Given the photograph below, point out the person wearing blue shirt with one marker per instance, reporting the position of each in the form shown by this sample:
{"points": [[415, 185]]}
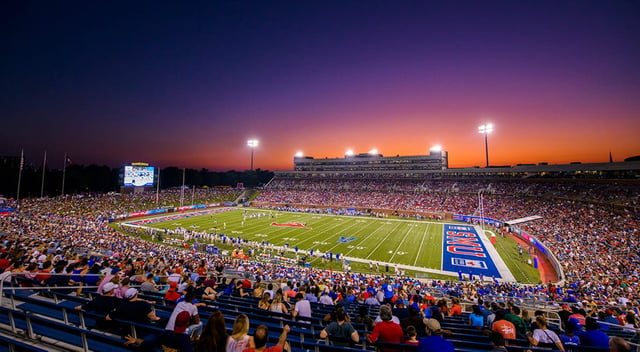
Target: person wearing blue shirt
{"points": [[434, 342], [387, 288], [592, 336]]}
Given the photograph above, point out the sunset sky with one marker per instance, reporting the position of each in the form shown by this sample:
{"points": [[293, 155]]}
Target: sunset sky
{"points": [[188, 83]]}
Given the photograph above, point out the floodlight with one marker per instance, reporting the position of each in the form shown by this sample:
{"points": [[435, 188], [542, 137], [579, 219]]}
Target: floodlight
{"points": [[486, 129], [252, 143], [373, 151], [436, 148], [349, 152], [299, 155]]}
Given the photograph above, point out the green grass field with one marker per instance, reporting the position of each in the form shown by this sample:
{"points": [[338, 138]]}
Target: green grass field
{"points": [[405, 242]]}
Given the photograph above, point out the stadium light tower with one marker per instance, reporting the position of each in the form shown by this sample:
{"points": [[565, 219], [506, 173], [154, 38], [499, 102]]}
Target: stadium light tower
{"points": [[252, 143], [349, 152], [486, 129]]}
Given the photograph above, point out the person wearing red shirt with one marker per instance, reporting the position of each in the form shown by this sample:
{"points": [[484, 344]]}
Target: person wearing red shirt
{"points": [[45, 272], [456, 309], [386, 330], [172, 293], [261, 336], [503, 326]]}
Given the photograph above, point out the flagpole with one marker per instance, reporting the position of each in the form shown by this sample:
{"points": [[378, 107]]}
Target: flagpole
{"points": [[64, 171], [20, 174], [44, 166], [184, 171], [158, 188]]}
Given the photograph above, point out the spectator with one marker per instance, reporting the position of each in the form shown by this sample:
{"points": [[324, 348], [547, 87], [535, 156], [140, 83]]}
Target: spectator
{"points": [[434, 342], [264, 302], [302, 309], [364, 318], [498, 342], [277, 305], [340, 332], [514, 317], [102, 305], [503, 326], [414, 319], [261, 337], [214, 335], [386, 330], [456, 309], [568, 338], [412, 335], [543, 337], [134, 309], [175, 339], [239, 339], [186, 305], [592, 336], [618, 344], [149, 284]]}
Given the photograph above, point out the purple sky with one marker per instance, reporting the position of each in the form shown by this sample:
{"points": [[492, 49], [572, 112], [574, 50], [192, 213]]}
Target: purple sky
{"points": [[187, 84]]}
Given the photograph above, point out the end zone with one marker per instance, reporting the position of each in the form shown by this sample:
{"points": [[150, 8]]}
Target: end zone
{"points": [[467, 250]]}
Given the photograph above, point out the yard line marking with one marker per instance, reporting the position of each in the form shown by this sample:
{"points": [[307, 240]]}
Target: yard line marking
{"points": [[426, 231], [383, 241]]}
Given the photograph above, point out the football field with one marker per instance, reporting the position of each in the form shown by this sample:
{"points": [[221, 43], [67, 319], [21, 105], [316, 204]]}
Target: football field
{"points": [[415, 245]]}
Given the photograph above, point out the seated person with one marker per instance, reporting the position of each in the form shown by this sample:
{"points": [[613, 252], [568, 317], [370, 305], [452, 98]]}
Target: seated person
{"points": [[340, 332]]}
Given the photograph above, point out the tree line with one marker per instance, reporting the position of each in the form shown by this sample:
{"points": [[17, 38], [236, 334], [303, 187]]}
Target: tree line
{"points": [[95, 178]]}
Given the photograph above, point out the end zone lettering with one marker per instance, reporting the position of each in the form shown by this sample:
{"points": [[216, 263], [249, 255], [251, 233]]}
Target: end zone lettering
{"points": [[469, 263], [465, 243], [460, 228], [463, 248]]}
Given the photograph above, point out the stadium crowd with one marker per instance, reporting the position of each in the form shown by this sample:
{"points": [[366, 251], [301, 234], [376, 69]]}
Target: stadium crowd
{"points": [[594, 234]]}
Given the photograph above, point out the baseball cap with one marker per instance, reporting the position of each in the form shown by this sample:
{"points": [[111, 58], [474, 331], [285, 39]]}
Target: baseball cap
{"points": [[130, 293], [108, 287], [182, 322], [432, 324]]}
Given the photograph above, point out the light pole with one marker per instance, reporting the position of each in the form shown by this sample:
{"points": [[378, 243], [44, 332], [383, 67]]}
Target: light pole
{"points": [[486, 129], [252, 143]]}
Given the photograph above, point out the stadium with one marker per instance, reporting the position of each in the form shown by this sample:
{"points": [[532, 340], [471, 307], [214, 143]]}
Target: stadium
{"points": [[353, 234]]}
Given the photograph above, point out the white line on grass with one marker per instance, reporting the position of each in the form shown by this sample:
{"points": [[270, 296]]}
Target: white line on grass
{"points": [[383, 241], [407, 234], [426, 231]]}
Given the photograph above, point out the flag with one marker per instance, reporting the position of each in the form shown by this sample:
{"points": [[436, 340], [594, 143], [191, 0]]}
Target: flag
{"points": [[68, 161]]}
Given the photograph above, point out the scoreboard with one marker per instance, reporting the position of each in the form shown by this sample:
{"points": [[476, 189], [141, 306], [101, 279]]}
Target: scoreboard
{"points": [[138, 176]]}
